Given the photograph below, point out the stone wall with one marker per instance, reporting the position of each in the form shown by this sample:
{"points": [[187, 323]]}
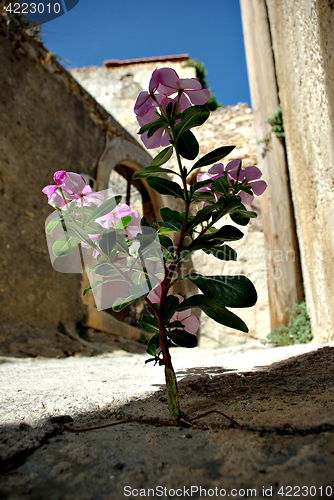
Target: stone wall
{"points": [[116, 88], [234, 125], [48, 122], [303, 43]]}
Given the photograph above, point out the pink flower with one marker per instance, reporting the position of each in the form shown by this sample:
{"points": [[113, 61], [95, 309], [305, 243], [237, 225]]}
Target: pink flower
{"points": [[73, 187], [248, 177], [159, 138], [111, 220], [144, 102], [59, 178], [77, 189], [190, 323], [216, 171], [166, 81]]}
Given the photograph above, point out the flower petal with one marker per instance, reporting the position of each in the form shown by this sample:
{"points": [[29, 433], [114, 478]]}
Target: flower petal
{"points": [[154, 82], [258, 187], [143, 103], [74, 182], [252, 173], [59, 176], [189, 84], [191, 324], [184, 103], [168, 78], [198, 96], [246, 198], [49, 190], [234, 164], [217, 168]]}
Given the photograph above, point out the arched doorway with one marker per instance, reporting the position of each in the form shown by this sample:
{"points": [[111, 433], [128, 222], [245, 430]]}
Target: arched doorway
{"points": [[121, 159], [135, 195]]}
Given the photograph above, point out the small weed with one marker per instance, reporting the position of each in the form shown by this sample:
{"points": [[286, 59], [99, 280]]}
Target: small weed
{"points": [[276, 121], [298, 330]]}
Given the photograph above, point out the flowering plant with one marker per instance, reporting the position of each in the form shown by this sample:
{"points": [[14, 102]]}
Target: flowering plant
{"points": [[143, 256]]}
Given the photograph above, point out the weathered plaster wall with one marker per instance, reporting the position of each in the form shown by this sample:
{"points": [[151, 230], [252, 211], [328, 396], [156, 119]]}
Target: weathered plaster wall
{"points": [[285, 284], [48, 122], [234, 125], [303, 34], [117, 89]]}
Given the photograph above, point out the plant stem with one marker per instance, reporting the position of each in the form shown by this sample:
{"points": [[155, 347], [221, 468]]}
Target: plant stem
{"points": [[170, 377], [171, 382]]}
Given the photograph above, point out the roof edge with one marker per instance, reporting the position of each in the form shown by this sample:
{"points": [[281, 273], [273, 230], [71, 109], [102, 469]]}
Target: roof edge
{"points": [[112, 63]]}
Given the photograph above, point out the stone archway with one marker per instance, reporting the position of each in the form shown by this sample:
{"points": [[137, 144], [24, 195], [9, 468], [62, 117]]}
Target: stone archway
{"points": [[122, 158]]}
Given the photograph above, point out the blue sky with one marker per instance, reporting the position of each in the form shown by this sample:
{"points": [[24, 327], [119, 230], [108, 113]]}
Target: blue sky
{"points": [[210, 31]]}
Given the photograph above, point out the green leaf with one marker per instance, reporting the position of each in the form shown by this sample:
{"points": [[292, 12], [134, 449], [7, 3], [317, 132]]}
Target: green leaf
{"points": [[104, 209], [143, 222], [223, 252], [193, 116], [183, 338], [52, 224], [201, 184], [65, 245], [159, 123], [166, 243], [202, 215], [215, 311], [188, 145], [169, 215], [106, 270], [202, 196], [108, 241], [76, 230], [213, 157], [225, 233], [165, 186], [123, 222], [93, 228], [141, 290], [201, 244], [93, 285], [165, 230], [241, 221], [222, 185], [121, 245], [242, 216], [149, 360], [152, 171], [123, 302], [162, 157], [171, 304], [229, 291], [227, 205], [175, 324], [149, 324], [175, 226], [147, 238], [153, 344]]}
